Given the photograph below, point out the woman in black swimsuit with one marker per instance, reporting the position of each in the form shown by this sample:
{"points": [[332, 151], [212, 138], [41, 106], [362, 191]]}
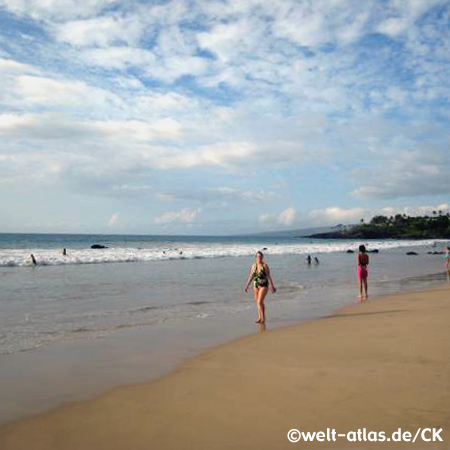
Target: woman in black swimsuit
{"points": [[260, 275]]}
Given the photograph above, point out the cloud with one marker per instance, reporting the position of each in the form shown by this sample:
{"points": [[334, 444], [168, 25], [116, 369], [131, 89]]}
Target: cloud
{"points": [[52, 126], [418, 210], [113, 219], [405, 13], [119, 57], [221, 155], [101, 31], [409, 173], [48, 92], [186, 215], [287, 218], [56, 9], [9, 67], [214, 197], [335, 215], [222, 99], [222, 195]]}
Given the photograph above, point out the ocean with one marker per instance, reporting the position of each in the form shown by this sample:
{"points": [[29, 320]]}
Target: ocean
{"points": [[165, 298]]}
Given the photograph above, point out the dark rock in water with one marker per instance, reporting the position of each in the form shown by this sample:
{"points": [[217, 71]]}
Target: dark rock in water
{"points": [[98, 246], [412, 254], [350, 251], [264, 248], [375, 250]]}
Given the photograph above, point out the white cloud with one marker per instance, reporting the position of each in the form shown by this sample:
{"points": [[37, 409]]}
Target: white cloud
{"points": [[11, 67], [266, 218], [52, 126], [336, 215], [47, 92], [56, 9], [113, 219], [186, 215], [287, 217], [216, 155], [119, 57], [420, 210], [405, 13], [101, 31], [231, 87], [226, 40], [406, 173]]}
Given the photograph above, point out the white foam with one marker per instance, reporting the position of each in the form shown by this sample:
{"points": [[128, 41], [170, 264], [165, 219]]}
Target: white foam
{"points": [[52, 257]]}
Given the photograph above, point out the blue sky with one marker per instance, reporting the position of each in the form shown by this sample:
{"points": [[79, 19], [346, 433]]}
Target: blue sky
{"points": [[219, 117]]}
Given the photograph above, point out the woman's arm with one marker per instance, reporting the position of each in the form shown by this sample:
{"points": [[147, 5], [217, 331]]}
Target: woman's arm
{"points": [[269, 276], [250, 277]]}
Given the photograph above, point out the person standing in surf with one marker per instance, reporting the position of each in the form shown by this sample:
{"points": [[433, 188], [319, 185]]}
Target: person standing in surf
{"points": [[362, 271], [447, 259], [262, 280]]}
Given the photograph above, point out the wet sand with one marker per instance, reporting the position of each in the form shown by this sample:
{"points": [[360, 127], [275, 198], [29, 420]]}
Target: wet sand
{"points": [[382, 365]]}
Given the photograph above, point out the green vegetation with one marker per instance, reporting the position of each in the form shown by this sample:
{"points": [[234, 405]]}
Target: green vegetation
{"points": [[396, 227]]}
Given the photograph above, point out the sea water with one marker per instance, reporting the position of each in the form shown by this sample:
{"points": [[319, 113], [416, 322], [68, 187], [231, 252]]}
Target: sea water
{"points": [[140, 281], [178, 292]]}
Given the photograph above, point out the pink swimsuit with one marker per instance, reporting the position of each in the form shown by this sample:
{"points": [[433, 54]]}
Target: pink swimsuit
{"points": [[362, 268], [362, 272]]}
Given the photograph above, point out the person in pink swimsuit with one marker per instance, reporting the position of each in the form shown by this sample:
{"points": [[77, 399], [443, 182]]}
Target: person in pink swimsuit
{"points": [[362, 270]]}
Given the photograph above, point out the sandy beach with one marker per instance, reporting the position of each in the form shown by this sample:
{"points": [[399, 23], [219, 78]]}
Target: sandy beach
{"points": [[381, 365]]}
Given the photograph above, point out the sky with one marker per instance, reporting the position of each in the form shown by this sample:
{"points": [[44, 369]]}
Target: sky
{"points": [[221, 117]]}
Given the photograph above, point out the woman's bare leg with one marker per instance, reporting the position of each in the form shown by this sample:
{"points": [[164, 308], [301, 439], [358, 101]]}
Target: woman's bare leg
{"points": [[366, 293], [256, 295], [261, 307], [360, 287]]}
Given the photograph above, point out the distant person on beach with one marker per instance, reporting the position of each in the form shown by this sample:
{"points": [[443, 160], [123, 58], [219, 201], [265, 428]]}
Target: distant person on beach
{"points": [[261, 278], [362, 270], [308, 260], [64, 252], [316, 260], [447, 259], [33, 260]]}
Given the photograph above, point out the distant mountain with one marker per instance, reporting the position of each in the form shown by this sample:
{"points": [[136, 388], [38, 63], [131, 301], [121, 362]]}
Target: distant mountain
{"points": [[302, 232]]}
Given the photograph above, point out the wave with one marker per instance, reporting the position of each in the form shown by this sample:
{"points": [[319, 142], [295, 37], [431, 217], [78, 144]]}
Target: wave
{"points": [[52, 257]]}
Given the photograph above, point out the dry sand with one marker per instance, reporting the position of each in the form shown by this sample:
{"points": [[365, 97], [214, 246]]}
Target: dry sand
{"points": [[382, 365]]}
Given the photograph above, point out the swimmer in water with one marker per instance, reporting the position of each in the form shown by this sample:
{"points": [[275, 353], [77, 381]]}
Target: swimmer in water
{"points": [[33, 260]]}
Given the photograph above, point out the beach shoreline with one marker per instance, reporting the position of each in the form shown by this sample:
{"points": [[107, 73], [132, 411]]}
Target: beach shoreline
{"points": [[192, 383], [84, 369]]}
